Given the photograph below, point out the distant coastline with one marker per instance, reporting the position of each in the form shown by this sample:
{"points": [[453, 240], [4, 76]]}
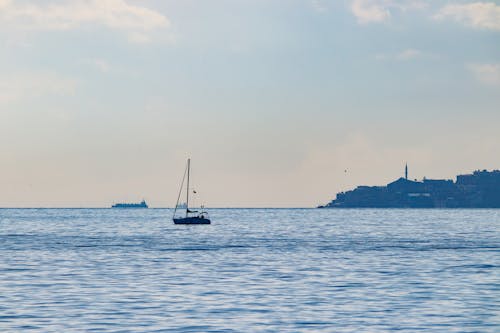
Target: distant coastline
{"points": [[481, 189]]}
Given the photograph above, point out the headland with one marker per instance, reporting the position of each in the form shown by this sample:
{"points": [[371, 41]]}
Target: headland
{"points": [[480, 189]]}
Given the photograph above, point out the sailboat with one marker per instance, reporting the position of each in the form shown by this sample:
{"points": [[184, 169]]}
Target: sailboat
{"points": [[191, 216]]}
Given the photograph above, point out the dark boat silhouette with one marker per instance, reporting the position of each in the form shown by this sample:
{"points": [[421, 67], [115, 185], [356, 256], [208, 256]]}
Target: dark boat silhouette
{"points": [[191, 216], [142, 204]]}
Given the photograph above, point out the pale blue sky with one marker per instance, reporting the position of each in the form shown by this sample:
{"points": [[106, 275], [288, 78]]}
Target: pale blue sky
{"points": [[102, 101]]}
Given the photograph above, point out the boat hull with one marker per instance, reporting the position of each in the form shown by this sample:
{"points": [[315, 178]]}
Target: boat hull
{"points": [[191, 220]]}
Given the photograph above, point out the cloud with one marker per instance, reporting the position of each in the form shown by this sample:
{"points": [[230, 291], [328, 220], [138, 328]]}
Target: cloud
{"points": [[480, 15], [405, 55], [369, 11], [376, 11], [319, 5], [486, 73], [408, 54], [66, 15], [15, 88], [100, 64]]}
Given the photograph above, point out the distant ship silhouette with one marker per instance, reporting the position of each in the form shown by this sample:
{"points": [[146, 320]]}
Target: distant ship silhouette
{"points": [[142, 204]]}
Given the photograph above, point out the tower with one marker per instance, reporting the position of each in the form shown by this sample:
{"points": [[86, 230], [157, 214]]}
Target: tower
{"points": [[406, 171]]}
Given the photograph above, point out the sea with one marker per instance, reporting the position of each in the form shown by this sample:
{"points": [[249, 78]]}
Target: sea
{"points": [[251, 270]]}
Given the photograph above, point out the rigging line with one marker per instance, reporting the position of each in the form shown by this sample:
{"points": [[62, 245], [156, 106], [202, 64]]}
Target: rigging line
{"points": [[180, 190]]}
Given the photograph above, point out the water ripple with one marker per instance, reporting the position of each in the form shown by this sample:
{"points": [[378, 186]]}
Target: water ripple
{"points": [[252, 270]]}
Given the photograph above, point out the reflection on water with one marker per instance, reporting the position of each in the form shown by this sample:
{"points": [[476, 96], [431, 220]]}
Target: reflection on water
{"points": [[253, 270]]}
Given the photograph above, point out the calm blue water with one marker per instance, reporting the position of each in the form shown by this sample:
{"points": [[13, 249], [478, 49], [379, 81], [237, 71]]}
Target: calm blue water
{"points": [[253, 270]]}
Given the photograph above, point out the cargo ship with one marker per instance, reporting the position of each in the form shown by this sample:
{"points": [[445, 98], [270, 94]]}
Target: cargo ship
{"points": [[142, 204]]}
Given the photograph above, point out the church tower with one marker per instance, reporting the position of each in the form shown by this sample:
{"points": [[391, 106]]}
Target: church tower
{"points": [[406, 171]]}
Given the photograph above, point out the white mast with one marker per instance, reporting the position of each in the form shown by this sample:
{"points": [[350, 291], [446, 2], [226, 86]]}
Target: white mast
{"points": [[187, 188]]}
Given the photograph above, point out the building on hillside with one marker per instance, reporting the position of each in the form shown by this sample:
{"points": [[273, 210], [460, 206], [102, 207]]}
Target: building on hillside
{"points": [[481, 189]]}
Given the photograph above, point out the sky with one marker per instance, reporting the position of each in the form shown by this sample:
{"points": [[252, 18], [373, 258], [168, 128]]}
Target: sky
{"points": [[279, 103]]}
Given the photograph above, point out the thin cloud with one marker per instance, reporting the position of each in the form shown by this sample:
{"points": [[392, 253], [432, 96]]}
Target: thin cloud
{"points": [[480, 15], [377, 11], [486, 73], [404, 55], [319, 5], [408, 54], [66, 15], [367, 11], [19, 87], [100, 64]]}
